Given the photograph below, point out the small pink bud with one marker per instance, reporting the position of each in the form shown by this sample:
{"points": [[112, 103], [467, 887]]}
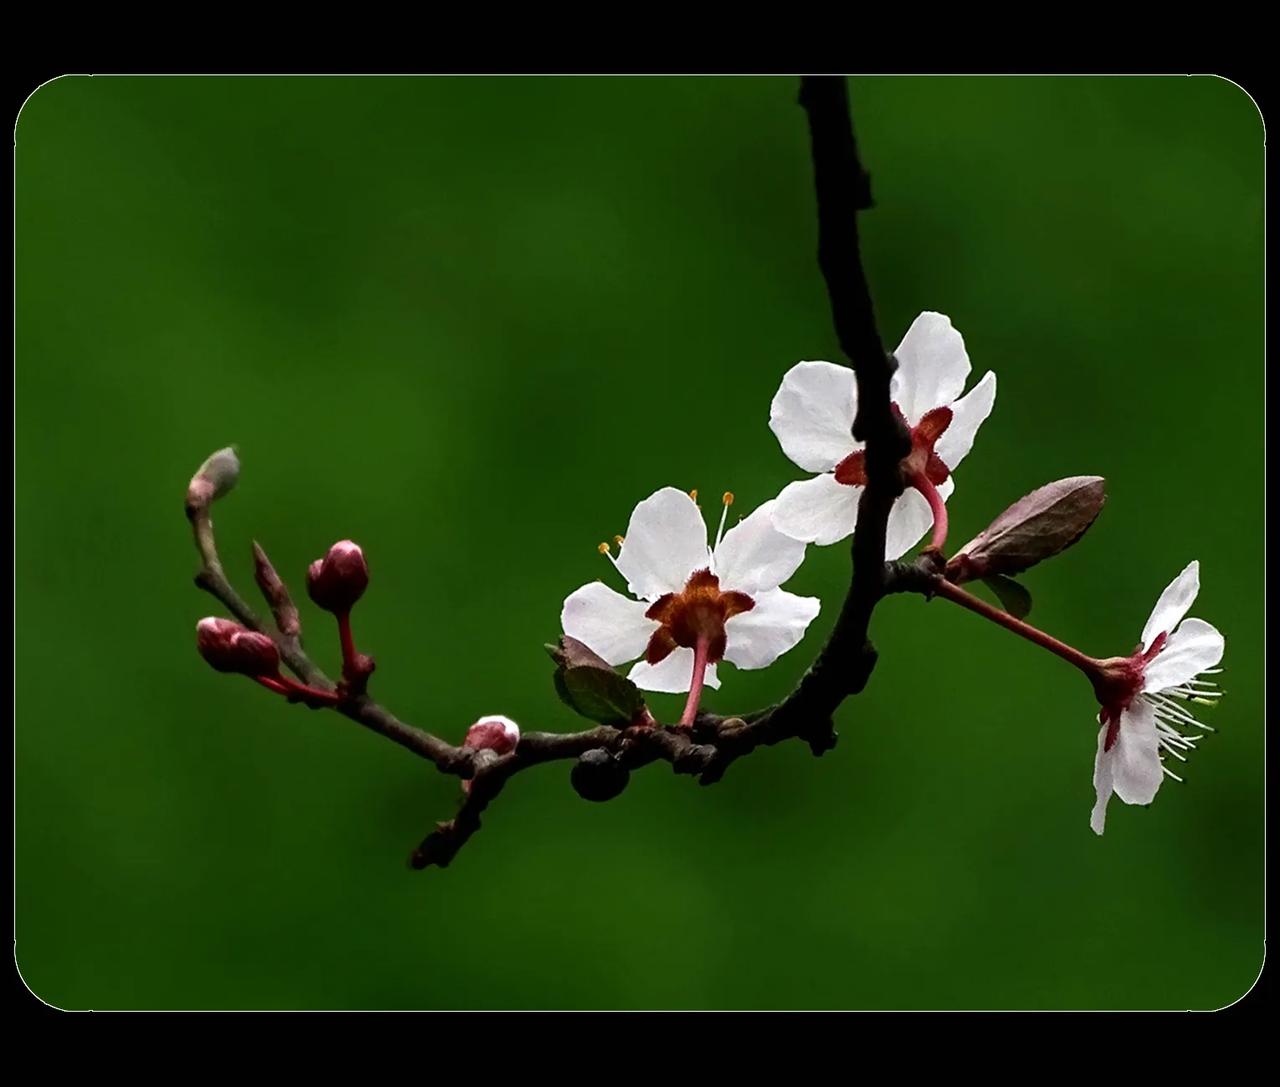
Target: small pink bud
{"points": [[229, 647], [213, 479], [338, 580], [499, 734]]}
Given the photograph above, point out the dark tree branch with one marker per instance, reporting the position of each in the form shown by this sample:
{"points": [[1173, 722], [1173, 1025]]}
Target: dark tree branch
{"points": [[843, 189], [712, 743]]}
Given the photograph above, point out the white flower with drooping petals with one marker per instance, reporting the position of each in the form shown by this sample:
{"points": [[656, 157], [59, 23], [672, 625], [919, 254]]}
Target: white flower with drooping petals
{"points": [[1144, 699], [812, 417], [723, 601]]}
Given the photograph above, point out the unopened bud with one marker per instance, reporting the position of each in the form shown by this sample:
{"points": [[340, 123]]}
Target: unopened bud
{"points": [[338, 580], [598, 776], [497, 733], [229, 647], [282, 606], [214, 478], [1036, 527]]}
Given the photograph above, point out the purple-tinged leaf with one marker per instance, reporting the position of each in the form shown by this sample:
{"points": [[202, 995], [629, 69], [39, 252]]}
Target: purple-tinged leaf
{"points": [[1036, 527]]}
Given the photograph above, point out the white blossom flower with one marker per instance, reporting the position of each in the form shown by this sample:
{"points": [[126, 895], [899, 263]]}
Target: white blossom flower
{"points": [[1144, 699], [697, 605], [812, 417]]}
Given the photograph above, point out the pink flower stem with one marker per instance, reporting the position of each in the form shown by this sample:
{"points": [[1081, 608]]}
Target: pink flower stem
{"points": [[348, 644], [925, 486], [292, 688], [272, 684], [311, 694], [700, 653], [957, 595]]}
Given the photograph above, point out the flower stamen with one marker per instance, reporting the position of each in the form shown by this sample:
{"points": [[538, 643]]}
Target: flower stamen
{"points": [[724, 513], [604, 549]]}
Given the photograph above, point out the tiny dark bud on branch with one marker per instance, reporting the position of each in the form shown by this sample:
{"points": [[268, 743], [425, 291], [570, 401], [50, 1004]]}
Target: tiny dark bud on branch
{"points": [[282, 606], [1036, 527], [229, 647], [590, 686], [213, 479], [598, 776], [338, 580]]}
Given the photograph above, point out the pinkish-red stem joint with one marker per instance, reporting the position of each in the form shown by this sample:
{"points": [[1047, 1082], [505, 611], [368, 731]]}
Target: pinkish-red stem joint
{"points": [[937, 506], [701, 652], [1087, 664], [348, 644], [292, 689]]}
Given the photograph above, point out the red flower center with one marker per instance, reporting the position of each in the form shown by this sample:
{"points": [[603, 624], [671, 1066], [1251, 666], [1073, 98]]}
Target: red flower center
{"points": [[1117, 684], [697, 613], [922, 460]]}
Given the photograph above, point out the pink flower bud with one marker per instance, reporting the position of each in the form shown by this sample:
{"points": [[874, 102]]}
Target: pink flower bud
{"points": [[213, 479], [499, 734], [338, 580], [229, 647]]}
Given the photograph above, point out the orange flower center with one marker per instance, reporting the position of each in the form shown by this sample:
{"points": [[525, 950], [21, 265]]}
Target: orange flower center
{"points": [[696, 614]]}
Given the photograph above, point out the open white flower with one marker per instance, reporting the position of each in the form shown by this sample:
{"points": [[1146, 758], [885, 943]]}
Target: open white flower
{"points": [[697, 605], [812, 417], [1144, 699]]}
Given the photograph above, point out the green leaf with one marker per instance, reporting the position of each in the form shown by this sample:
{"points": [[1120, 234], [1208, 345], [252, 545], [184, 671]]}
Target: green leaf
{"points": [[589, 686], [571, 653], [1013, 597], [604, 696]]}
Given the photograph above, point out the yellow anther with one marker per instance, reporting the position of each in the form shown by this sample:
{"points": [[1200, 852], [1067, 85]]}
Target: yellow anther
{"points": [[728, 498], [618, 540], [694, 494], [603, 549]]}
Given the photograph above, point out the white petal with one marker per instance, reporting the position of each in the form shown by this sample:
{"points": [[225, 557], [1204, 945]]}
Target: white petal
{"points": [[671, 675], [758, 637], [967, 414], [1173, 604], [932, 366], [1102, 781], [1135, 758], [817, 510], [910, 519], [812, 414], [607, 622], [666, 541], [755, 556], [1191, 649]]}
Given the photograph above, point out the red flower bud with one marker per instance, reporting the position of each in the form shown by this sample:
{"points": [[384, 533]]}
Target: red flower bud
{"points": [[338, 580], [229, 647], [499, 734]]}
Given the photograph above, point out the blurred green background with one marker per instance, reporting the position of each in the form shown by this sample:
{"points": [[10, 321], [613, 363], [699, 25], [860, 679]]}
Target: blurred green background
{"points": [[470, 323]]}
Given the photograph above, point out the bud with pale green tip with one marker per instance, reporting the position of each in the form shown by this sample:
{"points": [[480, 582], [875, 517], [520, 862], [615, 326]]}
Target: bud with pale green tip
{"points": [[213, 479]]}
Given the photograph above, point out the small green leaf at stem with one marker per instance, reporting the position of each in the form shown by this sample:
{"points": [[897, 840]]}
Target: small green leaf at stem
{"points": [[591, 687], [1013, 597]]}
